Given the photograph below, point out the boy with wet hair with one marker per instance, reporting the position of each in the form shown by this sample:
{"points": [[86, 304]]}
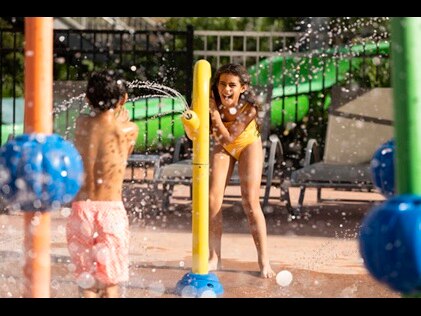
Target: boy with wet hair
{"points": [[97, 229]]}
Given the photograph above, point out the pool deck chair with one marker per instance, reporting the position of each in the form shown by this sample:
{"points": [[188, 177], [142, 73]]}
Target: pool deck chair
{"points": [[142, 160], [355, 130], [180, 171], [143, 170]]}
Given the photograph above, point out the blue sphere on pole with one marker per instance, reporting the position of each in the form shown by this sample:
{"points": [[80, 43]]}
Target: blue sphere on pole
{"points": [[390, 243], [383, 169], [39, 172]]}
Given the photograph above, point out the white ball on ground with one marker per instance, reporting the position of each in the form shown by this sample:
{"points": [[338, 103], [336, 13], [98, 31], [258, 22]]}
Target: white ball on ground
{"points": [[284, 278]]}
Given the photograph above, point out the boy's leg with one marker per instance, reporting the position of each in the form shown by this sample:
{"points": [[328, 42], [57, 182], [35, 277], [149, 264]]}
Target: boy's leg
{"points": [[222, 166], [111, 248], [111, 291], [250, 172], [88, 293]]}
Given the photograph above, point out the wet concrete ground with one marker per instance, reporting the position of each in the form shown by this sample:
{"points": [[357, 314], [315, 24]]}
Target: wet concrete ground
{"points": [[320, 250]]}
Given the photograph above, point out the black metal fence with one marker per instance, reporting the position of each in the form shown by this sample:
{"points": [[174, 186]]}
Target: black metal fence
{"points": [[164, 57]]}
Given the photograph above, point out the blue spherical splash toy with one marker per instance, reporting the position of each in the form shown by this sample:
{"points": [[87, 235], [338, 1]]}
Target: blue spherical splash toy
{"points": [[390, 243], [39, 172], [382, 168]]}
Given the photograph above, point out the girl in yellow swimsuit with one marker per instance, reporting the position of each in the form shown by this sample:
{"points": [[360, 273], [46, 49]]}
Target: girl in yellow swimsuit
{"points": [[234, 110], [249, 135]]}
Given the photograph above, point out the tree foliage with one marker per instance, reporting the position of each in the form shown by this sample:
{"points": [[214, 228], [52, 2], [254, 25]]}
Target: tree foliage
{"points": [[274, 24], [340, 29], [12, 61]]}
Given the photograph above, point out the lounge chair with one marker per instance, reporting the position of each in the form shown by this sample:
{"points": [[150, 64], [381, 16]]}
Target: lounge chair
{"points": [[355, 130]]}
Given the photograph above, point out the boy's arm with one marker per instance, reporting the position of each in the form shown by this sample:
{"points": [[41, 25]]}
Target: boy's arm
{"points": [[132, 136], [130, 129], [227, 135]]}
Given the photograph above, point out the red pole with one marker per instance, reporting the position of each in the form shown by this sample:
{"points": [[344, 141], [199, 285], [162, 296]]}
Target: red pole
{"points": [[38, 119]]}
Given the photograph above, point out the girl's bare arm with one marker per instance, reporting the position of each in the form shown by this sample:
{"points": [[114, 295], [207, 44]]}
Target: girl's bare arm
{"points": [[225, 135]]}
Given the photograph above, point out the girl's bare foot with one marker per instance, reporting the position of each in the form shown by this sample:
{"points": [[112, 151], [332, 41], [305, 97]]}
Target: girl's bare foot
{"points": [[267, 272], [214, 265]]}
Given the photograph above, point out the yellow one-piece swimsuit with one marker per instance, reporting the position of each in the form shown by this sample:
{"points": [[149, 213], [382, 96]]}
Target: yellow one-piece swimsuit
{"points": [[247, 137]]}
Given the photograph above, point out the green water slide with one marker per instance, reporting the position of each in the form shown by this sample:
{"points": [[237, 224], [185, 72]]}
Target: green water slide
{"points": [[295, 78], [12, 121], [158, 120]]}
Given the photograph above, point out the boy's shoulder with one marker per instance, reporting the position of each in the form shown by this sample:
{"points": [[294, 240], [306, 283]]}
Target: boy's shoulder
{"points": [[83, 116], [83, 121]]}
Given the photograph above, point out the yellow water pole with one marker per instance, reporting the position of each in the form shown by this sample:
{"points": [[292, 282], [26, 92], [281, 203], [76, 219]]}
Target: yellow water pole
{"points": [[200, 282], [38, 119], [197, 129]]}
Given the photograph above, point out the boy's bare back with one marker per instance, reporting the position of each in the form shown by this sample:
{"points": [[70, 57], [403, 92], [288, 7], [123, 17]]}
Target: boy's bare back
{"points": [[105, 137], [104, 142]]}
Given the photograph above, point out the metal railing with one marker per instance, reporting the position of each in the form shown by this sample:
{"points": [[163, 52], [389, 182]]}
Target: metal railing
{"points": [[244, 47]]}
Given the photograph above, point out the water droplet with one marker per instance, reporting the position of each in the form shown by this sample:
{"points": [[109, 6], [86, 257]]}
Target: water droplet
{"points": [[188, 291], [35, 221], [85, 280], [65, 211]]}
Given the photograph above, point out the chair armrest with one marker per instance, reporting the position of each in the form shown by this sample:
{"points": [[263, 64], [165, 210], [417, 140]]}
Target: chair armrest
{"points": [[312, 150], [181, 143], [275, 149]]}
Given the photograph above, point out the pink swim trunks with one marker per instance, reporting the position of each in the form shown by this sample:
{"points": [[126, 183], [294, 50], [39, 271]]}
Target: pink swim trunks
{"points": [[98, 242]]}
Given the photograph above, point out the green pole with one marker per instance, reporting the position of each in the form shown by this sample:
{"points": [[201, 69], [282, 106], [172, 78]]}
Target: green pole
{"points": [[406, 81]]}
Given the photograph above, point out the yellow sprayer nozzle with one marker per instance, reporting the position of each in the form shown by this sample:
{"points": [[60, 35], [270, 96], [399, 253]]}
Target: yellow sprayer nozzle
{"points": [[191, 123]]}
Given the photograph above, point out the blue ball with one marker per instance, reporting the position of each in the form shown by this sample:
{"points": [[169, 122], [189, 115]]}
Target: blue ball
{"points": [[39, 172], [390, 243], [383, 170]]}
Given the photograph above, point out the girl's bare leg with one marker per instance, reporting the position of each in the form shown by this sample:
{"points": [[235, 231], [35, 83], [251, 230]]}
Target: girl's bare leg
{"points": [[221, 169], [250, 172]]}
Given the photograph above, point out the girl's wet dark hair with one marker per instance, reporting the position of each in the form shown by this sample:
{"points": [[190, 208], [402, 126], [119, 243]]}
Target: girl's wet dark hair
{"points": [[240, 71], [105, 88], [247, 96]]}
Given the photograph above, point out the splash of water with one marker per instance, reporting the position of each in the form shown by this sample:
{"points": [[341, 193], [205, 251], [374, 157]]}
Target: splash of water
{"points": [[321, 33], [162, 91], [329, 39], [66, 104], [66, 112]]}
